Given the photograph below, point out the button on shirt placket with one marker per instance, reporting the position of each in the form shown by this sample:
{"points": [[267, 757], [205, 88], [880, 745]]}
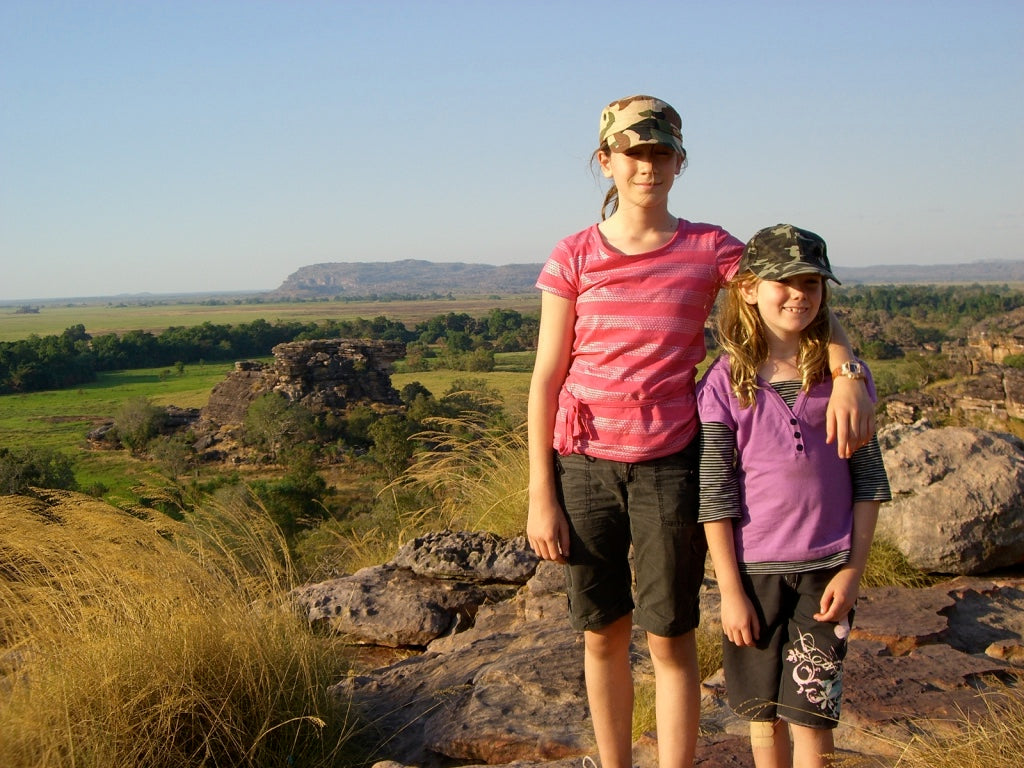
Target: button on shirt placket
{"points": [[796, 432]]}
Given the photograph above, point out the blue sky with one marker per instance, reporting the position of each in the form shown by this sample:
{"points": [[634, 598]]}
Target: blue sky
{"points": [[221, 145]]}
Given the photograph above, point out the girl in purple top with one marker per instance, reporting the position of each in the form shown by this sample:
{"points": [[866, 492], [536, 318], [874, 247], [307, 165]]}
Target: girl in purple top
{"points": [[788, 522]]}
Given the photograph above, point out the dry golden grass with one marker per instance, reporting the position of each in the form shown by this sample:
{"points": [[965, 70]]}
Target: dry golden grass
{"points": [[473, 477], [992, 740], [996, 741], [887, 566], [131, 641], [477, 474]]}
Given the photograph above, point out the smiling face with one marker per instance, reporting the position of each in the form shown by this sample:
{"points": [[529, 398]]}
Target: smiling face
{"points": [[642, 174], [786, 306]]}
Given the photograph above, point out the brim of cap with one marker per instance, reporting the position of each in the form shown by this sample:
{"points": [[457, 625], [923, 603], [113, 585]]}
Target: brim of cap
{"points": [[665, 139], [657, 137], [802, 269]]}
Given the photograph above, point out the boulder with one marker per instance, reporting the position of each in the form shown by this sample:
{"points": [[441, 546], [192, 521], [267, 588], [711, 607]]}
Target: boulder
{"points": [[389, 605], [434, 586], [958, 500], [509, 688], [473, 556]]}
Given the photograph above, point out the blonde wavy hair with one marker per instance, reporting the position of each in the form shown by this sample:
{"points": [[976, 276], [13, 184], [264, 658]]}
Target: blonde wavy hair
{"points": [[740, 332]]}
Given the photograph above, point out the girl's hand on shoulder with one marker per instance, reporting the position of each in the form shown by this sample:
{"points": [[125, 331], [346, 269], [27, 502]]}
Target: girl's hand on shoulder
{"points": [[850, 417], [840, 596], [548, 531], [739, 620]]}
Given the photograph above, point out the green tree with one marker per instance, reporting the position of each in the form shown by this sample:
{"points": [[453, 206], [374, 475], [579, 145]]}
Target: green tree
{"points": [[479, 360], [358, 420], [34, 466], [391, 446], [274, 424], [174, 453], [136, 422], [295, 501]]}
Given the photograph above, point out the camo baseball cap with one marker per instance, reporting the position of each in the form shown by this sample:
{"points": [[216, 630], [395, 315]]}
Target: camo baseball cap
{"points": [[775, 253], [639, 120]]}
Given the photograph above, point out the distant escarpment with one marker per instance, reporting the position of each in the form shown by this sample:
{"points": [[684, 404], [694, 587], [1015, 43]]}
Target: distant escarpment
{"points": [[991, 271], [408, 278], [414, 278]]}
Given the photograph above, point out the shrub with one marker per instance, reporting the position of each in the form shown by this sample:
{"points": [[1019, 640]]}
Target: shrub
{"points": [[34, 467], [993, 741], [136, 422], [274, 424], [1014, 361]]}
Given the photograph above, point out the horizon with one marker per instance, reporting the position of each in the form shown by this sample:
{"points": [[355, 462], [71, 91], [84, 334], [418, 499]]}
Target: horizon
{"points": [[160, 149], [841, 269]]}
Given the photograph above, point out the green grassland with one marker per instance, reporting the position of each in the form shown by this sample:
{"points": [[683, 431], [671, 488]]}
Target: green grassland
{"points": [[100, 319], [61, 419]]}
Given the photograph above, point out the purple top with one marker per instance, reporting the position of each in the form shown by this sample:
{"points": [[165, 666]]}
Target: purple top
{"points": [[796, 495]]}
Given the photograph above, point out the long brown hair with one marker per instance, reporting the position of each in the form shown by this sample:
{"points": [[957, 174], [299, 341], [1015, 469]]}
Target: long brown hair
{"points": [[740, 331]]}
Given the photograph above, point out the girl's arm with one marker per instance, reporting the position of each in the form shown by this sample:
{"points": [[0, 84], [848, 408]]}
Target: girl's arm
{"points": [[739, 619], [850, 418], [546, 526], [841, 593], [719, 506]]}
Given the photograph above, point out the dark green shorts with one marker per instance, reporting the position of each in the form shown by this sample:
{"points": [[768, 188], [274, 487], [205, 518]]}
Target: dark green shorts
{"points": [[651, 505]]}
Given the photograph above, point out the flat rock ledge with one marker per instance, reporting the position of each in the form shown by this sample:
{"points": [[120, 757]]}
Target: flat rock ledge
{"points": [[487, 670]]}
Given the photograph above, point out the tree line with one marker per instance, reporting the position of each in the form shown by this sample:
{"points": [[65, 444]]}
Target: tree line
{"points": [[75, 357], [880, 319], [947, 304]]}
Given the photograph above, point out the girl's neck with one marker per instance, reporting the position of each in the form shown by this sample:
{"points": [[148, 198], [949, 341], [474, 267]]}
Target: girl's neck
{"points": [[783, 363], [638, 230]]}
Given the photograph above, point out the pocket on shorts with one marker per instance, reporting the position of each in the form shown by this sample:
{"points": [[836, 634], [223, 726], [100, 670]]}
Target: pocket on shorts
{"points": [[678, 486]]}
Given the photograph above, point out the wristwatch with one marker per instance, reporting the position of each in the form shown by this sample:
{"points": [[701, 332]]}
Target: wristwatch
{"points": [[851, 370]]}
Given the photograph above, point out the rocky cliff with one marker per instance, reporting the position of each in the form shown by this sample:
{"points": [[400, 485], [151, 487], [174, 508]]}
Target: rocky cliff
{"points": [[324, 375], [410, 277], [414, 277]]}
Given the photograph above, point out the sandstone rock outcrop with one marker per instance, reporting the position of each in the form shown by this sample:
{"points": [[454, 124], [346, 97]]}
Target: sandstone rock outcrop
{"points": [[321, 374], [506, 686], [958, 500], [324, 375]]}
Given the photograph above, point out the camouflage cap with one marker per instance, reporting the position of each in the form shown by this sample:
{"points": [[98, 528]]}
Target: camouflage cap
{"points": [[639, 120], [775, 253]]}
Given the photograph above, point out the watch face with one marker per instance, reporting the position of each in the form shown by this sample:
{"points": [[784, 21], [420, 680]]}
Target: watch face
{"points": [[853, 368]]}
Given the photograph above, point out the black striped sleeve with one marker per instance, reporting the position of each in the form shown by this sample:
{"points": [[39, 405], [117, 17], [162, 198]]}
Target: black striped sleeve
{"points": [[867, 470], [719, 486]]}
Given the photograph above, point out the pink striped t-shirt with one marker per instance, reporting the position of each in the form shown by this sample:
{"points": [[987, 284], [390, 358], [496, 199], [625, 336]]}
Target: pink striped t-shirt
{"points": [[639, 335]]}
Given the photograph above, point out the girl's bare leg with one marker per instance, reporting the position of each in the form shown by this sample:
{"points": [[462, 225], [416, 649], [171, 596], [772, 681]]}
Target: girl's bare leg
{"points": [[769, 743], [812, 747], [677, 698], [610, 691]]}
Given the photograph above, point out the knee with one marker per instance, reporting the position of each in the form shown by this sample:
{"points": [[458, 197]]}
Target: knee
{"points": [[610, 641], [762, 733], [677, 651]]}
